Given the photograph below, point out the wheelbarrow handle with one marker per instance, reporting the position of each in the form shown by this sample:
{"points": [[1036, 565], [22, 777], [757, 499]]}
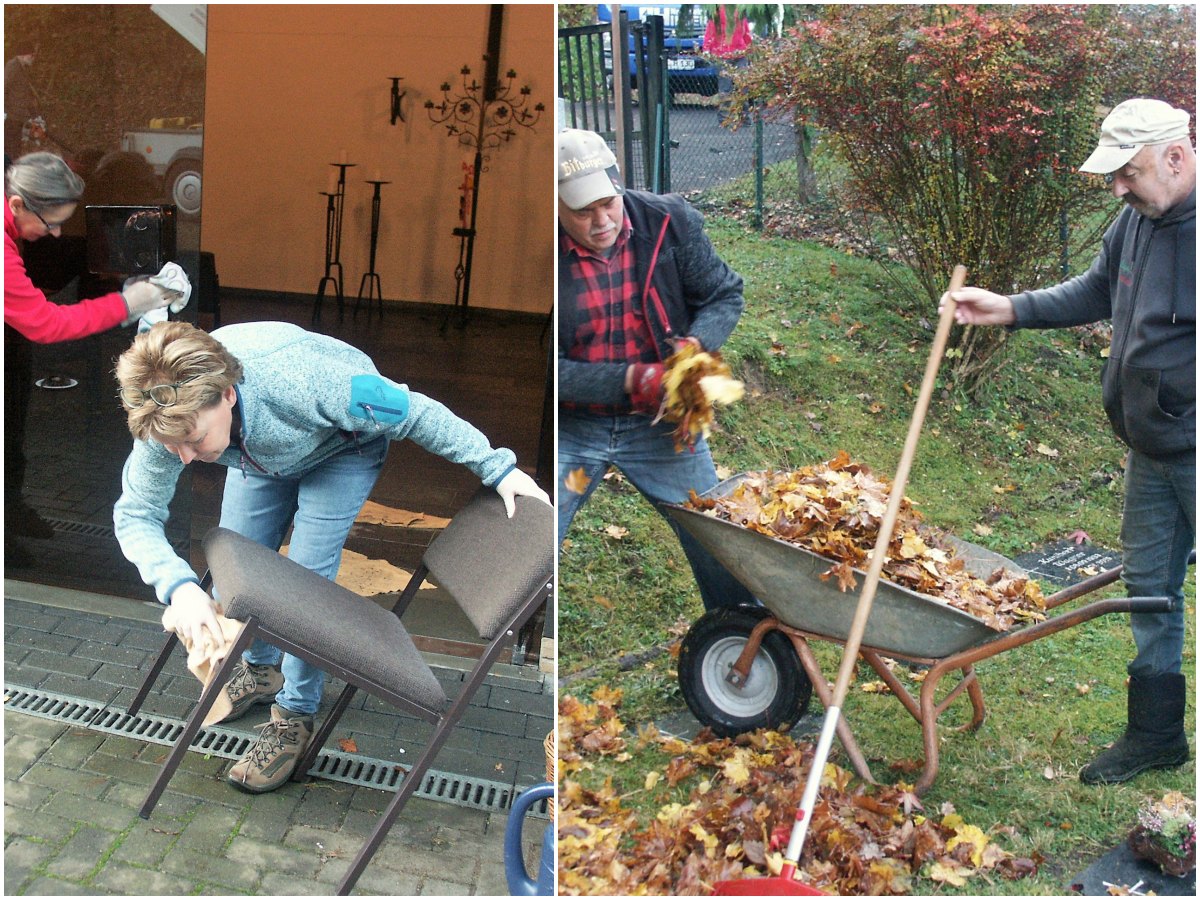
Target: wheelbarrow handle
{"points": [[1152, 604]]}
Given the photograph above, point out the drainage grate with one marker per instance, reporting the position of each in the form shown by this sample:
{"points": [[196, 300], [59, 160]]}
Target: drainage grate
{"points": [[332, 765], [84, 528], [104, 532]]}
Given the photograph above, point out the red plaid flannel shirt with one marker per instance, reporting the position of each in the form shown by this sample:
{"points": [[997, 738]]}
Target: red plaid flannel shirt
{"points": [[613, 328]]}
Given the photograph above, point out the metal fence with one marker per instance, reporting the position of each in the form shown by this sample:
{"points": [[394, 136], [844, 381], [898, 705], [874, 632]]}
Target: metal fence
{"points": [[748, 166]]}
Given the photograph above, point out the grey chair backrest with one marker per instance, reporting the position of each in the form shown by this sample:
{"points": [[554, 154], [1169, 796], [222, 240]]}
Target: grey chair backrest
{"points": [[491, 564]]}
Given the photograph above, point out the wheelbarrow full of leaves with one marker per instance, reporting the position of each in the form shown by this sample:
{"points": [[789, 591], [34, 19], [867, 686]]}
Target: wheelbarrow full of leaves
{"points": [[746, 668]]}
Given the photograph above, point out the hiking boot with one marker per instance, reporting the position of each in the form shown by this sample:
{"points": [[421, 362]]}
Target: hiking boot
{"points": [[1154, 737], [272, 758], [250, 685]]}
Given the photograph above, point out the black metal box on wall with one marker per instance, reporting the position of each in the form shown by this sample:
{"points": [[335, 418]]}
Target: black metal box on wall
{"points": [[129, 240]]}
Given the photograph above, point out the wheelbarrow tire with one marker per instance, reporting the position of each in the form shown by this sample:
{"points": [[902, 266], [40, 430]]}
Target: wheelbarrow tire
{"points": [[775, 695]]}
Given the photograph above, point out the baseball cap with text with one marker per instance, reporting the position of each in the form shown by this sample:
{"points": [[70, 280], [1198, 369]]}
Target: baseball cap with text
{"points": [[1131, 126], [587, 169]]}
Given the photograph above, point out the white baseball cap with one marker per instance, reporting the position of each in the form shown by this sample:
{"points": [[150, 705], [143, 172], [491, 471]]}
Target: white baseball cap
{"points": [[1131, 126], [587, 169]]}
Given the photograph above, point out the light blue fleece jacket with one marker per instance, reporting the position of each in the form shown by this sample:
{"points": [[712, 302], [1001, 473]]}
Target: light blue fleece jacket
{"points": [[301, 401]]}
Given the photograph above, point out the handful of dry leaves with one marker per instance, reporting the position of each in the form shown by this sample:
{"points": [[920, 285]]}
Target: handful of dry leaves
{"points": [[834, 510], [693, 383]]}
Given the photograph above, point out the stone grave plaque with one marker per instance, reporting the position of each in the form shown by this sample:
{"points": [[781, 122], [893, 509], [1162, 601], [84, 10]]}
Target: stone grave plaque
{"points": [[1067, 563]]}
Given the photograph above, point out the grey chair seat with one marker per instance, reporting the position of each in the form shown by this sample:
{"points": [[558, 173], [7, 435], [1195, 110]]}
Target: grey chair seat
{"points": [[314, 612]]}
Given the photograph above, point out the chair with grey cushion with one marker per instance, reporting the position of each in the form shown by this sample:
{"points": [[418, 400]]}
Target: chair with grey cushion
{"points": [[497, 569]]}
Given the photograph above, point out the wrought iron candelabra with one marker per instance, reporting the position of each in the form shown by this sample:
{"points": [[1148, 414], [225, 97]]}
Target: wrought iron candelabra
{"points": [[480, 117]]}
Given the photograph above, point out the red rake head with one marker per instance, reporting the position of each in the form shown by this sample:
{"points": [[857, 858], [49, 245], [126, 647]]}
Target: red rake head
{"points": [[776, 886]]}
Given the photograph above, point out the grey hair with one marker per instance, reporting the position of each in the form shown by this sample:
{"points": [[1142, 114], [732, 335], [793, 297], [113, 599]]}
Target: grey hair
{"points": [[42, 181]]}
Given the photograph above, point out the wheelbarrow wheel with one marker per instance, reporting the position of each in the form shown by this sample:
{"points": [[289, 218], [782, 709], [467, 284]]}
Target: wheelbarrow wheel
{"points": [[775, 695]]}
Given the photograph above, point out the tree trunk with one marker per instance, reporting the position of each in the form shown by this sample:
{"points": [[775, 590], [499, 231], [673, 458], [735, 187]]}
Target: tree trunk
{"points": [[806, 186]]}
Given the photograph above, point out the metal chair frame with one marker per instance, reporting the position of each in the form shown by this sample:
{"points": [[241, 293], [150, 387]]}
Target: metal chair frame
{"points": [[444, 721]]}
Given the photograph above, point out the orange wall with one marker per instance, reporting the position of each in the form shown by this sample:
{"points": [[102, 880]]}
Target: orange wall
{"points": [[289, 87]]}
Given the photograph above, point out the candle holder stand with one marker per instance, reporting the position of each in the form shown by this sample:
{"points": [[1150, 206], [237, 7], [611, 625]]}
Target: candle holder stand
{"points": [[333, 244], [370, 280]]}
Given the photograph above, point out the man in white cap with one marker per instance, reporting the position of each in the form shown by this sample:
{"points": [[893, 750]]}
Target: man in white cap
{"points": [[637, 276], [1144, 280]]}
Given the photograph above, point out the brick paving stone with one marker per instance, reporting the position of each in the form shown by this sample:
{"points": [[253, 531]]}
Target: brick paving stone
{"points": [[121, 769], [169, 807], [275, 884], [324, 842], [55, 643], [94, 628], [26, 795], [270, 857], [211, 868], [73, 747], [439, 887], [117, 878], [119, 656], [494, 721], [39, 824], [56, 887], [269, 816], [67, 781], [79, 857], [22, 857], [209, 830], [93, 812], [375, 879], [74, 686], [145, 845], [323, 804]]}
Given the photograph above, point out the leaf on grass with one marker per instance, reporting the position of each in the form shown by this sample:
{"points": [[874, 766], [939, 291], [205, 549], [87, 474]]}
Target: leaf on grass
{"points": [[982, 530], [1047, 451], [616, 532]]}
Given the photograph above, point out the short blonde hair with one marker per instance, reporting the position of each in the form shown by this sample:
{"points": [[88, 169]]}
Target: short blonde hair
{"points": [[169, 353]]}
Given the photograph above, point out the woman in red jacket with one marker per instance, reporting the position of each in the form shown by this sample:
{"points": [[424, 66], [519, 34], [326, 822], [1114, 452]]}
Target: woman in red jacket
{"points": [[40, 194]]}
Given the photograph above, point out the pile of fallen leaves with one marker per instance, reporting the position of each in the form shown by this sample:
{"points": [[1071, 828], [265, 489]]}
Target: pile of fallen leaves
{"points": [[693, 383], [736, 824], [835, 509]]}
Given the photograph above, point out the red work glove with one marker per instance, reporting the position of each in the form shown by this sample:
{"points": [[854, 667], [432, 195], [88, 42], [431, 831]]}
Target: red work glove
{"points": [[645, 387]]}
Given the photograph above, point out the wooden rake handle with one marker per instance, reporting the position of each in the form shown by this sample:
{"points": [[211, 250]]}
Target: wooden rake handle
{"points": [[888, 525]]}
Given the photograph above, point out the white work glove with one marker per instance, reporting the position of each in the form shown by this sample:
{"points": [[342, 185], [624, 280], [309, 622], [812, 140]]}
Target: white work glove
{"points": [[142, 296], [517, 484], [194, 614], [148, 297]]}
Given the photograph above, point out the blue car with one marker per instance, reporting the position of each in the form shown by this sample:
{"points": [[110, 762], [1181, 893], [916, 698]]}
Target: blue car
{"points": [[689, 71]]}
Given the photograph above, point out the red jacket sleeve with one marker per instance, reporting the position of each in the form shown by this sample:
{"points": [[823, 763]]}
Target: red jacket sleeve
{"points": [[28, 311]]}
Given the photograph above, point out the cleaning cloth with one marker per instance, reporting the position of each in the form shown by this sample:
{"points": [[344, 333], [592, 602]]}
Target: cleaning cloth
{"points": [[204, 659]]}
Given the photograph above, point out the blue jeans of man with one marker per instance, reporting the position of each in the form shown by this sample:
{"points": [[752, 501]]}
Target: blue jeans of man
{"points": [[645, 454], [1158, 532], [320, 506]]}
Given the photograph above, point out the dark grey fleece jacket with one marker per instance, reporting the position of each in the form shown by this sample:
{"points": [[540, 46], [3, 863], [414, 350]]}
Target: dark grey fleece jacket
{"points": [[684, 289], [1144, 279]]}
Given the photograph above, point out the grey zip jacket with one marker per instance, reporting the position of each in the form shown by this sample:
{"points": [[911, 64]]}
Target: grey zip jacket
{"points": [[1144, 279], [304, 398]]}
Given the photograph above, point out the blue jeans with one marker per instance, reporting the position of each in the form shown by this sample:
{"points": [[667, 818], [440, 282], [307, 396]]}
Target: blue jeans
{"points": [[1158, 531], [646, 455], [321, 506]]}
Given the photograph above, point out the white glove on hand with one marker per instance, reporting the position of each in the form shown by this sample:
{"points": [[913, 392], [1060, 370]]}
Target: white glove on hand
{"points": [[142, 296], [517, 484], [195, 614]]}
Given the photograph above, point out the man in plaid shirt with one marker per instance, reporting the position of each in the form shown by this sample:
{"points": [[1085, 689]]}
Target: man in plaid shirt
{"points": [[637, 277]]}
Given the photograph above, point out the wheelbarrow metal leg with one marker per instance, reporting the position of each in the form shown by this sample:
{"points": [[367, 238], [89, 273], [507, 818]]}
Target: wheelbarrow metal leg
{"points": [[825, 694]]}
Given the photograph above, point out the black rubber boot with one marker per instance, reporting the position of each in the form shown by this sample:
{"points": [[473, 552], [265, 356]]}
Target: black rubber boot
{"points": [[1154, 737]]}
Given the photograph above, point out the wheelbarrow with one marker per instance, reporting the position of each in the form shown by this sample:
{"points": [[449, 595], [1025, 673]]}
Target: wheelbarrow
{"points": [[738, 667]]}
